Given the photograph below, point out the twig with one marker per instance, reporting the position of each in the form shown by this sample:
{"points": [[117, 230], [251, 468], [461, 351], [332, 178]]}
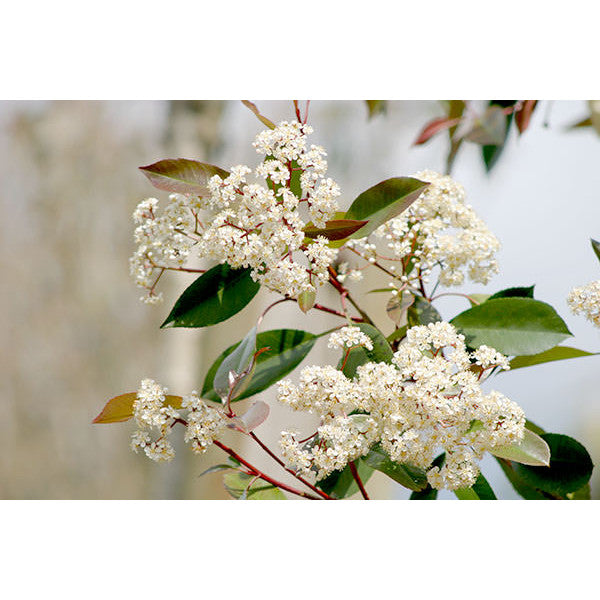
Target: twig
{"points": [[358, 480]]}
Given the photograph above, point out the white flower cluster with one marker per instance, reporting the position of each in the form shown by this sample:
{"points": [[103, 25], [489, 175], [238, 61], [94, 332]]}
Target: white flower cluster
{"points": [[349, 337], [162, 240], [256, 225], [586, 300], [428, 401], [439, 229], [151, 411]]}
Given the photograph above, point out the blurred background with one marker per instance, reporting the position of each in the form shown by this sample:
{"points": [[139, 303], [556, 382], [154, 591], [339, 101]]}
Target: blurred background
{"points": [[75, 333]]}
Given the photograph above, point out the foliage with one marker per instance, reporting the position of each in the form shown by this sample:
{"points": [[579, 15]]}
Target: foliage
{"points": [[506, 328]]}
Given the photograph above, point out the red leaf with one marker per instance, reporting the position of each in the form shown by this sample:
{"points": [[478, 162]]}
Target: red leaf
{"points": [[523, 117], [182, 175], [260, 117], [433, 128]]}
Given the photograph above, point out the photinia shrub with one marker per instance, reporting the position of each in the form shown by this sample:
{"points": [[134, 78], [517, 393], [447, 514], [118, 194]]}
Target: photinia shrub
{"points": [[407, 402]]}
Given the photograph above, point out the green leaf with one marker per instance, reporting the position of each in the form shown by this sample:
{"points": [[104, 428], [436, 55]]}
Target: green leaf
{"points": [[476, 299], [397, 334], [238, 485], [480, 490], [596, 248], [120, 408], [583, 493], [341, 484], [429, 493], [519, 484], [512, 326], [514, 292], [570, 467], [414, 478], [336, 229], [556, 353], [531, 450], [287, 349], [238, 362], [491, 153], [383, 202], [422, 312], [215, 296], [182, 175], [382, 351]]}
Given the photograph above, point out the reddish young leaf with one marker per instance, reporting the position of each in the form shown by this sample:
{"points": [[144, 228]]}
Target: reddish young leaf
{"points": [[523, 117], [433, 128], [337, 229], [120, 408], [255, 110], [182, 175]]}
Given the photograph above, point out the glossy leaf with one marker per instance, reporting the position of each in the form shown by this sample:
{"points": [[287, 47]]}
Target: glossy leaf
{"points": [[182, 175], [287, 349], [556, 353], [336, 229], [238, 486], [120, 408], [519, 484], [238, 363], [215, 296], [422, 312], [480, 490], [383, 202], [513, 326], [382, 351], [341, 484], [570, 467], [514, 292], [411, 477], [260, 117], [532, 450]]}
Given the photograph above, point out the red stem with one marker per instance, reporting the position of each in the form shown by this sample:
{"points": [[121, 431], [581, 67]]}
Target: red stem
{"points": [[280, 462], [358, 480], [255, 471]]}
